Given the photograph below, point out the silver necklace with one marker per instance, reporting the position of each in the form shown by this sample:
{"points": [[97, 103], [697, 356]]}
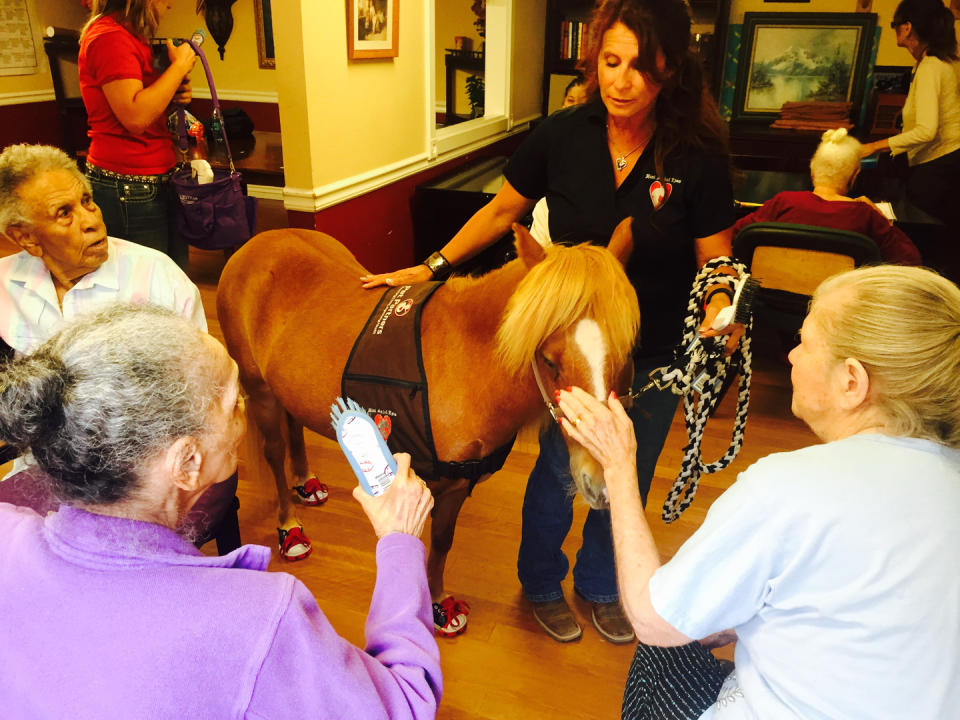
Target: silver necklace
{"points": [[621, 161]]}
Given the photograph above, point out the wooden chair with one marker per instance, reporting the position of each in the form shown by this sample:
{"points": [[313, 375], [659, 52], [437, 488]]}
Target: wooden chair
{"points": [[791, 260]]}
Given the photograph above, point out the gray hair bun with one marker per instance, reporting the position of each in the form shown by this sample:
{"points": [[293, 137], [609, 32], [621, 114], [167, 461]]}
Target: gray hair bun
{"points": [[31, 399]]}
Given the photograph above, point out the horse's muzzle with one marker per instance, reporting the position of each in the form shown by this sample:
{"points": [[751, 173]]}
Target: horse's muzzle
{"points": [[588, 477]]}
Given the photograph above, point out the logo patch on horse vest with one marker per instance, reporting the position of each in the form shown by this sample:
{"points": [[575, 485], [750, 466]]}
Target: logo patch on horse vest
{"points": [[385, 375]]}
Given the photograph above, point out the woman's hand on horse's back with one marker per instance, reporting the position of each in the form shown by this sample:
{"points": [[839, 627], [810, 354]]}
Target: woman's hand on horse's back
{"points": [[404, 507], [407, 276]]}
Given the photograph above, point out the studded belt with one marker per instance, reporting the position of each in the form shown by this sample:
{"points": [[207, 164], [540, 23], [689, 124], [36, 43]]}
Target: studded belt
{"points": [[96, 172]]}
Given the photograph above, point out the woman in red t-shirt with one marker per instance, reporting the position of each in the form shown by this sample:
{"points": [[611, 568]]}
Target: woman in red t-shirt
{"points": [[127, 93]]}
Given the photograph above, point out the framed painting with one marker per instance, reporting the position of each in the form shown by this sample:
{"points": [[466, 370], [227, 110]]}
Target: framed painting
{"points": [[373, 29], [801, 57], [264, 19]]}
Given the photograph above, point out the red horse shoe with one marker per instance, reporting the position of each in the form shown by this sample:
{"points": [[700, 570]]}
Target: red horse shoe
{"points": [[312, 492], [294, 544], [450, 616]]}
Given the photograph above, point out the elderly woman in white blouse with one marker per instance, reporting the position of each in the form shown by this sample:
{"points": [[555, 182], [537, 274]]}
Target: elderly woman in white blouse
{"points": [[833, 567]]}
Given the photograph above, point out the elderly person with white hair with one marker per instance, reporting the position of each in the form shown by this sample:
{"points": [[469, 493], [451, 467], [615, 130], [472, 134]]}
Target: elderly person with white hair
{"points": [[68, 265], [833, 169], [134, 413], [833, 567]]}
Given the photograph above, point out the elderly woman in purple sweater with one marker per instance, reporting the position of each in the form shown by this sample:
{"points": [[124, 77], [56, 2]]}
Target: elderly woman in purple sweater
{"points": [[107, 612]]}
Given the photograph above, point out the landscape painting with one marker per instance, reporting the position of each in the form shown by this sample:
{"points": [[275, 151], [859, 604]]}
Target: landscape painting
{"points": [[804, 63], [801, 57]]}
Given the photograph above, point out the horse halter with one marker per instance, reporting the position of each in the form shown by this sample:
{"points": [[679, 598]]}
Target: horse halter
{"points": [[555, 412]]}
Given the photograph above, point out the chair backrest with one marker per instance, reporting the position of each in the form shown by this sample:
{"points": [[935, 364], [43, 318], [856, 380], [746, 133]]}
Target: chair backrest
{"points": [[790, 261], [798, 257]]}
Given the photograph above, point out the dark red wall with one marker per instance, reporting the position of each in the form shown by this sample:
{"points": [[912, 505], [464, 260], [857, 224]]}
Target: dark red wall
{"points": [[35, 122], [378, 226]]}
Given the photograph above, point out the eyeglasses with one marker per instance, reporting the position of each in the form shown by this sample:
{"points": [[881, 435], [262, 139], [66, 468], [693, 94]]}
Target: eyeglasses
{"points": [[894, 24]]}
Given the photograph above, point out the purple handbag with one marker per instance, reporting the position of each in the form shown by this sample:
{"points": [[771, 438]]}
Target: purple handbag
{"points": [[215, 215]]}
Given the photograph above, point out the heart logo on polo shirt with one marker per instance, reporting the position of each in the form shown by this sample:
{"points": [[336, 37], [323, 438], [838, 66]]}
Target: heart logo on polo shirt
{"points": [[383, 424], [659, 193]]}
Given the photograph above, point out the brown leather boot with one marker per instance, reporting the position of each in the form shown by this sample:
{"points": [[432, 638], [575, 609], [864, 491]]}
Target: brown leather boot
{"points": [[555, 617], [609, 620]]}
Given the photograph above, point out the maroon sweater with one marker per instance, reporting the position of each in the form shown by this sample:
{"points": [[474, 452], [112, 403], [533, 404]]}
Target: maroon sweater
{"points": [[805, 208]]}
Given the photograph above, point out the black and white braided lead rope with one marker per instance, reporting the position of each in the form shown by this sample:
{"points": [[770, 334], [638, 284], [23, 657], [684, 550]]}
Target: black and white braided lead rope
{"points": [[698, 373]]}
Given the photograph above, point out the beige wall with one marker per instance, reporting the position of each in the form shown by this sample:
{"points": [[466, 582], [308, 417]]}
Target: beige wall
{"points": [[343, 120], [239, 72], [59, 13], [339, 118], [887, 54]]}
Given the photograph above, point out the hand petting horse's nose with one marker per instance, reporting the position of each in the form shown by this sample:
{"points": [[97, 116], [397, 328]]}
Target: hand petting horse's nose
{"points": [[606, 431]]}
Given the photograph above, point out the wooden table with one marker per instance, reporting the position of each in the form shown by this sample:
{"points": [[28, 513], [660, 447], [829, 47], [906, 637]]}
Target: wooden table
{"points": [[259, 158]]}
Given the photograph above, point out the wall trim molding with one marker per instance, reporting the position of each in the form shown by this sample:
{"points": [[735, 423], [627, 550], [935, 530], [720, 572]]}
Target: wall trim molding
{"points": [[27, 96], [259, 96], [267, 192], [324, 196]]}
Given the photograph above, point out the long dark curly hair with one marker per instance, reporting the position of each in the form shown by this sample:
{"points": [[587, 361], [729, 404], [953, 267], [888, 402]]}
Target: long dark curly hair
{"points": [[686, 115]]}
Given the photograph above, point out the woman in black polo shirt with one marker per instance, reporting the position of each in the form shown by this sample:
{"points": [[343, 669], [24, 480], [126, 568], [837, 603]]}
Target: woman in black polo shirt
{"points": [[649, 144]]}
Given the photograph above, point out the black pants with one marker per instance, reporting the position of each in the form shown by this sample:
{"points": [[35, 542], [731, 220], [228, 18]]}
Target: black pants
{"points": [[934, 187], [672, 683]]}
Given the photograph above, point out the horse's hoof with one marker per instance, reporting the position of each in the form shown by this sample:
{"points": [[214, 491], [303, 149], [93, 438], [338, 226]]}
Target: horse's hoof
{"points": [[450, 617], [294, 544], [312, 492]]}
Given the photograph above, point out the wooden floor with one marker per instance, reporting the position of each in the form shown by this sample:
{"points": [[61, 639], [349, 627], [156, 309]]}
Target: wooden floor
{"points": [[504, 666]]}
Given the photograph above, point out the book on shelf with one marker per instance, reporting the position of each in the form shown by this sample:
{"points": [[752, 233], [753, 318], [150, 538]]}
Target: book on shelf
{"points": [[571, 39]]}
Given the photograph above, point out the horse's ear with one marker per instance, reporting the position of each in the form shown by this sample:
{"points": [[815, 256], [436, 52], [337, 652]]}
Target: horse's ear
{"points": [[528, 249], [621, 243]]}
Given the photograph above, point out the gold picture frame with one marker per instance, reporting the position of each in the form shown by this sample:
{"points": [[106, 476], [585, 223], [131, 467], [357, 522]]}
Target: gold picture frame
{"points": [[373, 29], [264, 19]]}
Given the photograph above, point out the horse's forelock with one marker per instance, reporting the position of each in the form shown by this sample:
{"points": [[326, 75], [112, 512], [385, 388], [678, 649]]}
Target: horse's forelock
{"points": [[569, 284]]}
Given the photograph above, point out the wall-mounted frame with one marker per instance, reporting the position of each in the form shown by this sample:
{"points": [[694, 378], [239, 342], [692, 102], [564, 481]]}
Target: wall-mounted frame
{"points": [[790, 57], [264, 18], [373, 29]]}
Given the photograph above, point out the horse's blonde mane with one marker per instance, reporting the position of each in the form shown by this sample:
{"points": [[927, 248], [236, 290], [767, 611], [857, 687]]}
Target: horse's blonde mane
{"points": [[570, 283]]}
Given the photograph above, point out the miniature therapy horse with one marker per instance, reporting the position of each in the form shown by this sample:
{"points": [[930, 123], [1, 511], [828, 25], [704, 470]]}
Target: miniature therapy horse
{"points": [[291, 306]]}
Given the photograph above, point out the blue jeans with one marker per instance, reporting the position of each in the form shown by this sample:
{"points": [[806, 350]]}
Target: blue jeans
{"points": [[548, 504], [142, 213]]}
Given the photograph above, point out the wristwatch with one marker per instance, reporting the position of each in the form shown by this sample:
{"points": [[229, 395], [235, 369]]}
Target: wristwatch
{"points": [[439, 266]]}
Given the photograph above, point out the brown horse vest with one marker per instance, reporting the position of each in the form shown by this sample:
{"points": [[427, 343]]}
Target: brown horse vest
{"points": [[384, 374]]}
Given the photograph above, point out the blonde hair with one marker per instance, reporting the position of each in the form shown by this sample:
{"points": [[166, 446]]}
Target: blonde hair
{"points": [[836, 160], [903, 325], [138, 16], [568, 284]]}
